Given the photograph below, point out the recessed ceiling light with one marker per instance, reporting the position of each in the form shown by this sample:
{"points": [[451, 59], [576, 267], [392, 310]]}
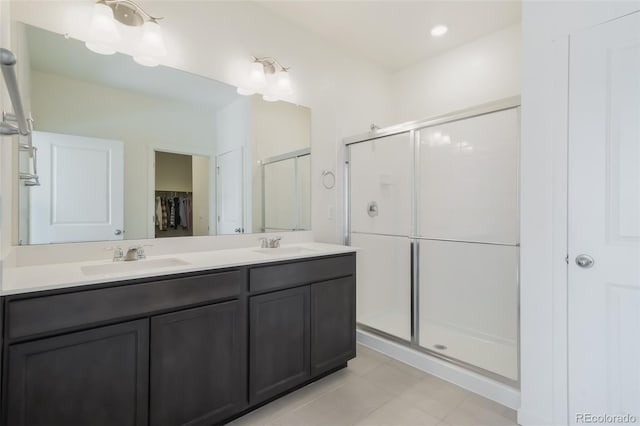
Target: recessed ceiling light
{"points": [[439, 30]]}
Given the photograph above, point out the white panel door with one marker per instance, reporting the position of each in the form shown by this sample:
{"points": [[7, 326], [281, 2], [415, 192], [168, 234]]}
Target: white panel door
{"points": [[384, 283], [604, 221], [81, 196], [469, 179], [230, 192], [381, 181]]}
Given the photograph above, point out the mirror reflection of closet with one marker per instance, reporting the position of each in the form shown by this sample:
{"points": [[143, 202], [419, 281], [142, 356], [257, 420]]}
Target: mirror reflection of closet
{"points": [[181, 195]]}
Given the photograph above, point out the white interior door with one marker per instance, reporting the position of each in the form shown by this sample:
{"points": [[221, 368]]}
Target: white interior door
{"points": [[230, 190], [81, 196], [604, 221]]}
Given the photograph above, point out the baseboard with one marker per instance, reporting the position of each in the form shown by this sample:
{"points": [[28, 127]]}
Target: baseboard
{"points": [[474, 382], [528, 419]]}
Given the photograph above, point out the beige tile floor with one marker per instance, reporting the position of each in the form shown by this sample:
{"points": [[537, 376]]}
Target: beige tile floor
{"points": [[375, 390]]}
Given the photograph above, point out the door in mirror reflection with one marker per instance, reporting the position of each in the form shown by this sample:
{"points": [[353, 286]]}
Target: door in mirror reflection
{"points": [[81, 194], [230, 199]]}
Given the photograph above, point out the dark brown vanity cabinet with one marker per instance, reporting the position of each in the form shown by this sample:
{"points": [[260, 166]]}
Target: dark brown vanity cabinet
{"points": [[280, 342], [93, 377], [190, 349], [333, 323], [198, 358], [302, 323], [166, 351]]}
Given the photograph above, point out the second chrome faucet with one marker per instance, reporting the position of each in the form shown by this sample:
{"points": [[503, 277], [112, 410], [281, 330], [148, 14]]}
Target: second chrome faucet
{"points": [[133, 253], [270, 242]]}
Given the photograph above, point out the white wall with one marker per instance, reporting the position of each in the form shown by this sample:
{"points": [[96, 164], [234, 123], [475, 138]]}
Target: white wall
{"points": [[217, 39], [104, 112], [543, 227], [202, 223], [482, 71], [174, 172]]}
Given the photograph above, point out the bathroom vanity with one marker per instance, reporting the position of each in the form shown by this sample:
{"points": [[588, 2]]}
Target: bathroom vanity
{"points": [[195, 347]]}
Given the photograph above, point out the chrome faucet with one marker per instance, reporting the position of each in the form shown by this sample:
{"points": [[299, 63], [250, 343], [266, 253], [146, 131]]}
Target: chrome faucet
{"points": [[270, 242], [135, 253]]}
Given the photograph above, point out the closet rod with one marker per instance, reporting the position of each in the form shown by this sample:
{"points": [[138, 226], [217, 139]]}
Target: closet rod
{"points": [[8, 63]]}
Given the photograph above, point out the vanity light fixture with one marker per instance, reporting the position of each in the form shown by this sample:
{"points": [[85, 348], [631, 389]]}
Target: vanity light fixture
{"points": [[104, 35], [269, 77], [439, 30]]}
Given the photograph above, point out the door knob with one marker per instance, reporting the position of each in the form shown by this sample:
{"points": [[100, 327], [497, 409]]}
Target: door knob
{"points": [[585, 261], [117, 232]]}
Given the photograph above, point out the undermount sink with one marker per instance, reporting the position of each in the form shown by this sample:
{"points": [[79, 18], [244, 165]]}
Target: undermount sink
{"points": [[285, 250], [133, 266]]}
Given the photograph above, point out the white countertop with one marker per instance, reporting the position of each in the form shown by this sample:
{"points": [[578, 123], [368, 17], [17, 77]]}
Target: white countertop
{"points": [[28, 279]]}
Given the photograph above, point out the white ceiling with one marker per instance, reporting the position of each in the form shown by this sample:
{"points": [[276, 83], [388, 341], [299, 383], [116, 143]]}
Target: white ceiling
{"points": [[394, 33]]}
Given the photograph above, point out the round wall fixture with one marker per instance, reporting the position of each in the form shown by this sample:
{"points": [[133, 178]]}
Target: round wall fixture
{"points": [[328, 179]]}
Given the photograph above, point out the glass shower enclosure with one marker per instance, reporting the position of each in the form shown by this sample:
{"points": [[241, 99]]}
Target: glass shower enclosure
{"points": [[433, 207], [286, 201]]}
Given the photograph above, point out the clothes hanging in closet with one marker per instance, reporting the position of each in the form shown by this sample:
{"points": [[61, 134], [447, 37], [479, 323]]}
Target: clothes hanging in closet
{"points": [[174, 211]]}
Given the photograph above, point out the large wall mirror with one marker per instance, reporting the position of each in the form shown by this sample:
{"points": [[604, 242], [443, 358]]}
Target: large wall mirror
{"points": [[132, 152]]}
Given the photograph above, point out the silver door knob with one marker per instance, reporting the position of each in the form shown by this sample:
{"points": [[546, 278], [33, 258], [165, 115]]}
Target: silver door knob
{"points": [[117, 232], [585, 261]]}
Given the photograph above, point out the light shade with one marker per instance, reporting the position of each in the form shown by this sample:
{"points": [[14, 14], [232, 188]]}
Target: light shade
{"points": [[151, 46], [268, 77], [283, 83], [257, 79], [103, 33]]}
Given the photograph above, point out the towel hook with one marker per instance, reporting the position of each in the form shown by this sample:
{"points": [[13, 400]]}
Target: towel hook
{"points": [[328, 179]]}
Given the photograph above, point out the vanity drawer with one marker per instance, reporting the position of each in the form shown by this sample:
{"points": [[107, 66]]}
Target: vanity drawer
{"points": [[26, 317], [300, 272]]}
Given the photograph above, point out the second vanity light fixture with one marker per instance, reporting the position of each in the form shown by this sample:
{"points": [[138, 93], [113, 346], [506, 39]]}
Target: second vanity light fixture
{"points": [[104, 34], [269, 77]]}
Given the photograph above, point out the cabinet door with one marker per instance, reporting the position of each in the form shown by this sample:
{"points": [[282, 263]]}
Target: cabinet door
{"points": [[198, 373], [279, 342], [95, 377], [333, 324]]}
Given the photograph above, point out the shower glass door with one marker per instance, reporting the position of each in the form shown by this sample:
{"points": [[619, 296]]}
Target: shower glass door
{"points": [[286, 203], [381, 176], [468, 233]]}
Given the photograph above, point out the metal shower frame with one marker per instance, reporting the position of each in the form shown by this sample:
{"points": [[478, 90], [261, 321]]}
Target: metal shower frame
{"points": [[412, 128]]}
